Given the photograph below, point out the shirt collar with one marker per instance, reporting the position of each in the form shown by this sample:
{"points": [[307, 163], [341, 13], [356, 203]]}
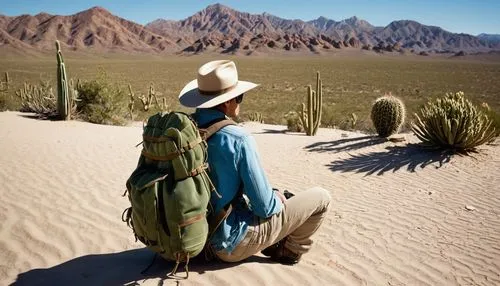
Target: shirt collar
{"points": [[205, 115]]}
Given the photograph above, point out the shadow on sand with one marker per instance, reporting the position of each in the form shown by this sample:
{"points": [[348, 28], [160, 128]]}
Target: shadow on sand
{"points": [[346, 144], [50, 117], [122, 268], [395, 158], [272, 131]]}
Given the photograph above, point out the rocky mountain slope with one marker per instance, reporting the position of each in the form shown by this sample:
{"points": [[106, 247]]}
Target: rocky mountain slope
{"points": [[221, 29]]}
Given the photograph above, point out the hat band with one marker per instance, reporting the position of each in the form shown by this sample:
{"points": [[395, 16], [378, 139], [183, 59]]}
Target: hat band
{"points": [[216, 92]]}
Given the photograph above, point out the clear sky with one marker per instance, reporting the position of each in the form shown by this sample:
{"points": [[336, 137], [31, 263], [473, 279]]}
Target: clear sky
{"points": [[458, 16]]}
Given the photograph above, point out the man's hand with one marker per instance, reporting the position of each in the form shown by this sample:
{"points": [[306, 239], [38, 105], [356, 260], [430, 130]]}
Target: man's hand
{"points": [[280, 196]]}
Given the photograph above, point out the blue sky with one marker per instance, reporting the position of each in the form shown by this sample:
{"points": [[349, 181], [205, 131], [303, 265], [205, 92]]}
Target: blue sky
{"points": [[459, 16]]}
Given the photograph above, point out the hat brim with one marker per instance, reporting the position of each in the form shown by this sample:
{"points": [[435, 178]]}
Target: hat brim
{"points": [[191, 97]]}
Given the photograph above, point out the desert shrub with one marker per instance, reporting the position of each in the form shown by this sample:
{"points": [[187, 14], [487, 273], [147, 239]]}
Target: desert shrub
{"points": [[453, 122], [3, 101], [7, 102], [256, 117], [293, 122], [100, 102], [494, 116], [348, 122], [38, 99], [388, 113]]}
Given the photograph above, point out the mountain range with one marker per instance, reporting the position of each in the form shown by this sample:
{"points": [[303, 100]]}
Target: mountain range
{"points": [[220, 29]]}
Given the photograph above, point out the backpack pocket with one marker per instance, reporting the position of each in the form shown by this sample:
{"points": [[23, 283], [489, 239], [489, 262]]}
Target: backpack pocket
{"points": [[194, 235], [146, 218]]}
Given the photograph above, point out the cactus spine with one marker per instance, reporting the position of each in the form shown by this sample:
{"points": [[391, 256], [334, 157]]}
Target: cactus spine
{"points": [[310, 117], [63, 100], [387, 115]]}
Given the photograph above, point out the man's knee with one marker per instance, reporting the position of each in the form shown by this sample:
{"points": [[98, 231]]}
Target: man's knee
{"points": [[322, 196]]}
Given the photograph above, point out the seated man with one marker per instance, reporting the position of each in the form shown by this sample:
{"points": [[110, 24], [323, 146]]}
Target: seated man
{"points": [[265, 221]]}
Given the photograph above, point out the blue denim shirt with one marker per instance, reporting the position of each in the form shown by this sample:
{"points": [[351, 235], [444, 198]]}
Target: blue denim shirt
{"points": [[234, 163]]}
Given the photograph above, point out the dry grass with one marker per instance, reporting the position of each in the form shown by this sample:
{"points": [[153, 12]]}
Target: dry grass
{"points": [[350, 83]]}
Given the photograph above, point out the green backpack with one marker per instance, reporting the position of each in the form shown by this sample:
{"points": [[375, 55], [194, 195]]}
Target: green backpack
{"points": [[169, 191]]}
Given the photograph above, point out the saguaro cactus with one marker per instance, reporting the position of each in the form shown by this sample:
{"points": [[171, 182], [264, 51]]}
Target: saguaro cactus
{"points": [[6, 83], [7, 80], [63, 100], [310, 116]]}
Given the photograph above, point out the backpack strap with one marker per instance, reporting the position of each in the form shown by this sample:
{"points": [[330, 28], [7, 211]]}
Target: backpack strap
{"points": [[213, 126]]}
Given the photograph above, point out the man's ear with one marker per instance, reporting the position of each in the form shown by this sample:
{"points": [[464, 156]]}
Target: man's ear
{"points": [[224, 106]]}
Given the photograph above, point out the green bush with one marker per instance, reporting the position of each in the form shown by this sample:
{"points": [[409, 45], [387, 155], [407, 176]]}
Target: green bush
{"points": [[100, 102], [453, 122]]}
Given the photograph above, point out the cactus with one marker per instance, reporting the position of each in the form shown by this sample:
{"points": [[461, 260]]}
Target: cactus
{"points": [[453, 122], [353, 120], [37, 99], [310, 116], [63, 97], [7, 80], [294, 122], [164, 106], [256, 116], [147, 102], [73, 96], [6, 83], [131, 102], [388, 114]]}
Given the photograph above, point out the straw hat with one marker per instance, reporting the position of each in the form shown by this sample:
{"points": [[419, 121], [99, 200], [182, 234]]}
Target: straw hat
{"points": [[217, 83]]}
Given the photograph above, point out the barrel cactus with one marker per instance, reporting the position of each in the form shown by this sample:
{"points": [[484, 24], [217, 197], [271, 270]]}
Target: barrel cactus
{"points": [[388, 114], [453, 122]]}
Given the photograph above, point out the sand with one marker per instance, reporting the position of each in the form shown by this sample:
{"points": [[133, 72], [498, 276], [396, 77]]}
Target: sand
{"points": [[400, 216]]}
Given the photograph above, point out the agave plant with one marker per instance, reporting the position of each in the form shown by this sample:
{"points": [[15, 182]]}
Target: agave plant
{"points": [[453, 122]]}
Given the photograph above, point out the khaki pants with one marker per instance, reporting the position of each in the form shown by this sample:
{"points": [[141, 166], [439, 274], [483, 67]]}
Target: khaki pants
{"points": [[299, 220]]}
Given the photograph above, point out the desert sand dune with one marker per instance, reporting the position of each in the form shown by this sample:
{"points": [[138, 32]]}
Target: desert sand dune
{"points": [[400, 216]]}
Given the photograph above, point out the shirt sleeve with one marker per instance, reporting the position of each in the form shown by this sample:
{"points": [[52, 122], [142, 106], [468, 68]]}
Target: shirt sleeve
{"points": [[262, 198]]}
